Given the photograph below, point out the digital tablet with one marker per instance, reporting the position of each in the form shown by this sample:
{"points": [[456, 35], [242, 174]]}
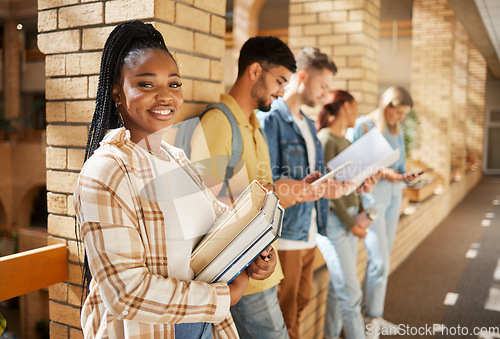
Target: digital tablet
{"points": [[332, 173]]}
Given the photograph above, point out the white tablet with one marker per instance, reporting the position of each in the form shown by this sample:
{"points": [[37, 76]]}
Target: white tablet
{"points": [[332, 173]]}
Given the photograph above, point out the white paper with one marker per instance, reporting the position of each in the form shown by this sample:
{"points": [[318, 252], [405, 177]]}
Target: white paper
{"points": [[368, 154]]}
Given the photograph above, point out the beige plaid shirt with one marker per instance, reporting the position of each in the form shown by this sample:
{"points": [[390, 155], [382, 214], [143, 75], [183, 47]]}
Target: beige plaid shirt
{"points": [[131, 295]]}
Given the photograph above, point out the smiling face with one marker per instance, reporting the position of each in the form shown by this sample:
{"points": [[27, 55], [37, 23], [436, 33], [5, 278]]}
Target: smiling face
{"points": [[269, 86], [148, 93], [395, 115]]}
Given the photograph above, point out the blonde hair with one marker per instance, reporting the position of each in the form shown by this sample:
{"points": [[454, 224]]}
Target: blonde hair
{"points": [[394, 96]]}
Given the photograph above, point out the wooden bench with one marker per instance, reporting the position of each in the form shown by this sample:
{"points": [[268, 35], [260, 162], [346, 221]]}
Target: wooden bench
{"points": [[32, 270]]}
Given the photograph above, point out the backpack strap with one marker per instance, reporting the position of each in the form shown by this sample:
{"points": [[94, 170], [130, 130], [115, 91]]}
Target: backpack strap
{"points": [[185, 134], [236, 144], [186, 130]]}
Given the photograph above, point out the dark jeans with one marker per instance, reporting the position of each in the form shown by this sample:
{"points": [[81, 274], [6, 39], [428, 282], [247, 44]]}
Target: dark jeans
{"points": [[193, 330]]}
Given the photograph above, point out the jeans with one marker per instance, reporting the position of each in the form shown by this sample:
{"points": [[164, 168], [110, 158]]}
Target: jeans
{"points": [[339, 249], [258, 316], [386, 199], [193, 330]]}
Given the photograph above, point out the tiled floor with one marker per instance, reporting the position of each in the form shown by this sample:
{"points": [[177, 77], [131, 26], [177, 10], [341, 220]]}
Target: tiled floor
{"points": [[451, 281]]}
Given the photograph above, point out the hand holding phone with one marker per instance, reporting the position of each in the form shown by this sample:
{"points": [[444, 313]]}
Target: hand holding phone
{"points": [[410, 176]]}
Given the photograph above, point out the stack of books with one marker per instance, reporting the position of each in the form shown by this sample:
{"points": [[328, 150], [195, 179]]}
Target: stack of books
{"points": [[238, 236]]}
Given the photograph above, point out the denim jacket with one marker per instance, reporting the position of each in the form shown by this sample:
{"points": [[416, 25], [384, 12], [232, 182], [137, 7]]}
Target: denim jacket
{"points": [[288, 152]]}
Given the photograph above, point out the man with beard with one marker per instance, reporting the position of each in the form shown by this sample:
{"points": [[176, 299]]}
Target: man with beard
{"points": [[264, 67], [295, 152]]}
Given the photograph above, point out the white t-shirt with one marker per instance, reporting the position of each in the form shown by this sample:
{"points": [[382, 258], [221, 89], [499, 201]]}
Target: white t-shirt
{"points": [[188, 213], [287, 244]]}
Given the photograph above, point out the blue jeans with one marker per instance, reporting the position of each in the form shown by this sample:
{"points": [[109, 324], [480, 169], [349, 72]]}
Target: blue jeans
{"points": [[259, 316], [193, 330], [386, 199], [339, 249]]}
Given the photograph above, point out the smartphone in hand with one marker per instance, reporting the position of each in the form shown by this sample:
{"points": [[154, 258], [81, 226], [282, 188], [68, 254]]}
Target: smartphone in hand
{"points": [[413, 175]]}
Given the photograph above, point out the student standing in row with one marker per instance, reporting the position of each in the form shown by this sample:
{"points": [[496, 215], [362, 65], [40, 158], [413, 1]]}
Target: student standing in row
{"points": [[347, 223], [393, 106], [296, 152], [264, 67]]}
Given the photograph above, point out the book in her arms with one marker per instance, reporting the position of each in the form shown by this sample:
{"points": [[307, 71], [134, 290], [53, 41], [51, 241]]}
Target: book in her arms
{"points": [[238, 236], [253, 251]]}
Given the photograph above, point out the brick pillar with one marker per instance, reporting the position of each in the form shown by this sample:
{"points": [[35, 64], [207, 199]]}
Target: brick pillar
{"points": [[245, 25], [72, 34], [459, 98], [347, 31], [476, 93], [12, 71], [245, 20], [448, 87], [432, 81]]}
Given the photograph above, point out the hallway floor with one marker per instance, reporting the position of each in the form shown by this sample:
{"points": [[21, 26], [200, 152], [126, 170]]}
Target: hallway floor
{"points": [[452, 280]]}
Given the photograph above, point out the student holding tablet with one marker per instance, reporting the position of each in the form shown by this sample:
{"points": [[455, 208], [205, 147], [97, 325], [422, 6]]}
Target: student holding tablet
{"points": [[295, 153], [347, 222], [332, 173]]}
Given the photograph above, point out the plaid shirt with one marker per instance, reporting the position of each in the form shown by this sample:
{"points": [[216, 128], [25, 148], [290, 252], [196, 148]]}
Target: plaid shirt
{"points": [[124, 232]]}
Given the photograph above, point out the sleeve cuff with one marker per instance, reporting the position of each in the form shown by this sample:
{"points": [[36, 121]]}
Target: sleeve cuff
{"points": [[223, 302]]}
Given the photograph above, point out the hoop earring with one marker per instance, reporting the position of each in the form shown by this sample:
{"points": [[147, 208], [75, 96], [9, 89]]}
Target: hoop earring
{"points": [[120, 119]]}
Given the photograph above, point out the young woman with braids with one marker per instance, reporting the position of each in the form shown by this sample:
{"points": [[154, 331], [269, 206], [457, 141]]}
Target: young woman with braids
{"points": [[134, 204], [347, 222]]}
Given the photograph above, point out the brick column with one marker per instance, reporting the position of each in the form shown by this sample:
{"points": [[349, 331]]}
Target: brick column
{"points": [[447, 85], [432, 81], [245, 25], [476, 92], [459, 97], [72, 34], [12, 71], [245, 20], [348, 31]]}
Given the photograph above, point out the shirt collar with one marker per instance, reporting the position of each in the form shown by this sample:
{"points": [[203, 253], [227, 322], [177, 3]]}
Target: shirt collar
{"points": [[235, 108], [282, 108]]}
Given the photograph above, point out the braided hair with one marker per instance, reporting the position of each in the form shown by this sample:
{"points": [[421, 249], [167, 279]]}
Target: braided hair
{"points": [[126, 41]]}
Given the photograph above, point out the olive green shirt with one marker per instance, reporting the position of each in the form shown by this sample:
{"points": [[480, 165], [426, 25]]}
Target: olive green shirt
{"points": [[333, 145]]}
